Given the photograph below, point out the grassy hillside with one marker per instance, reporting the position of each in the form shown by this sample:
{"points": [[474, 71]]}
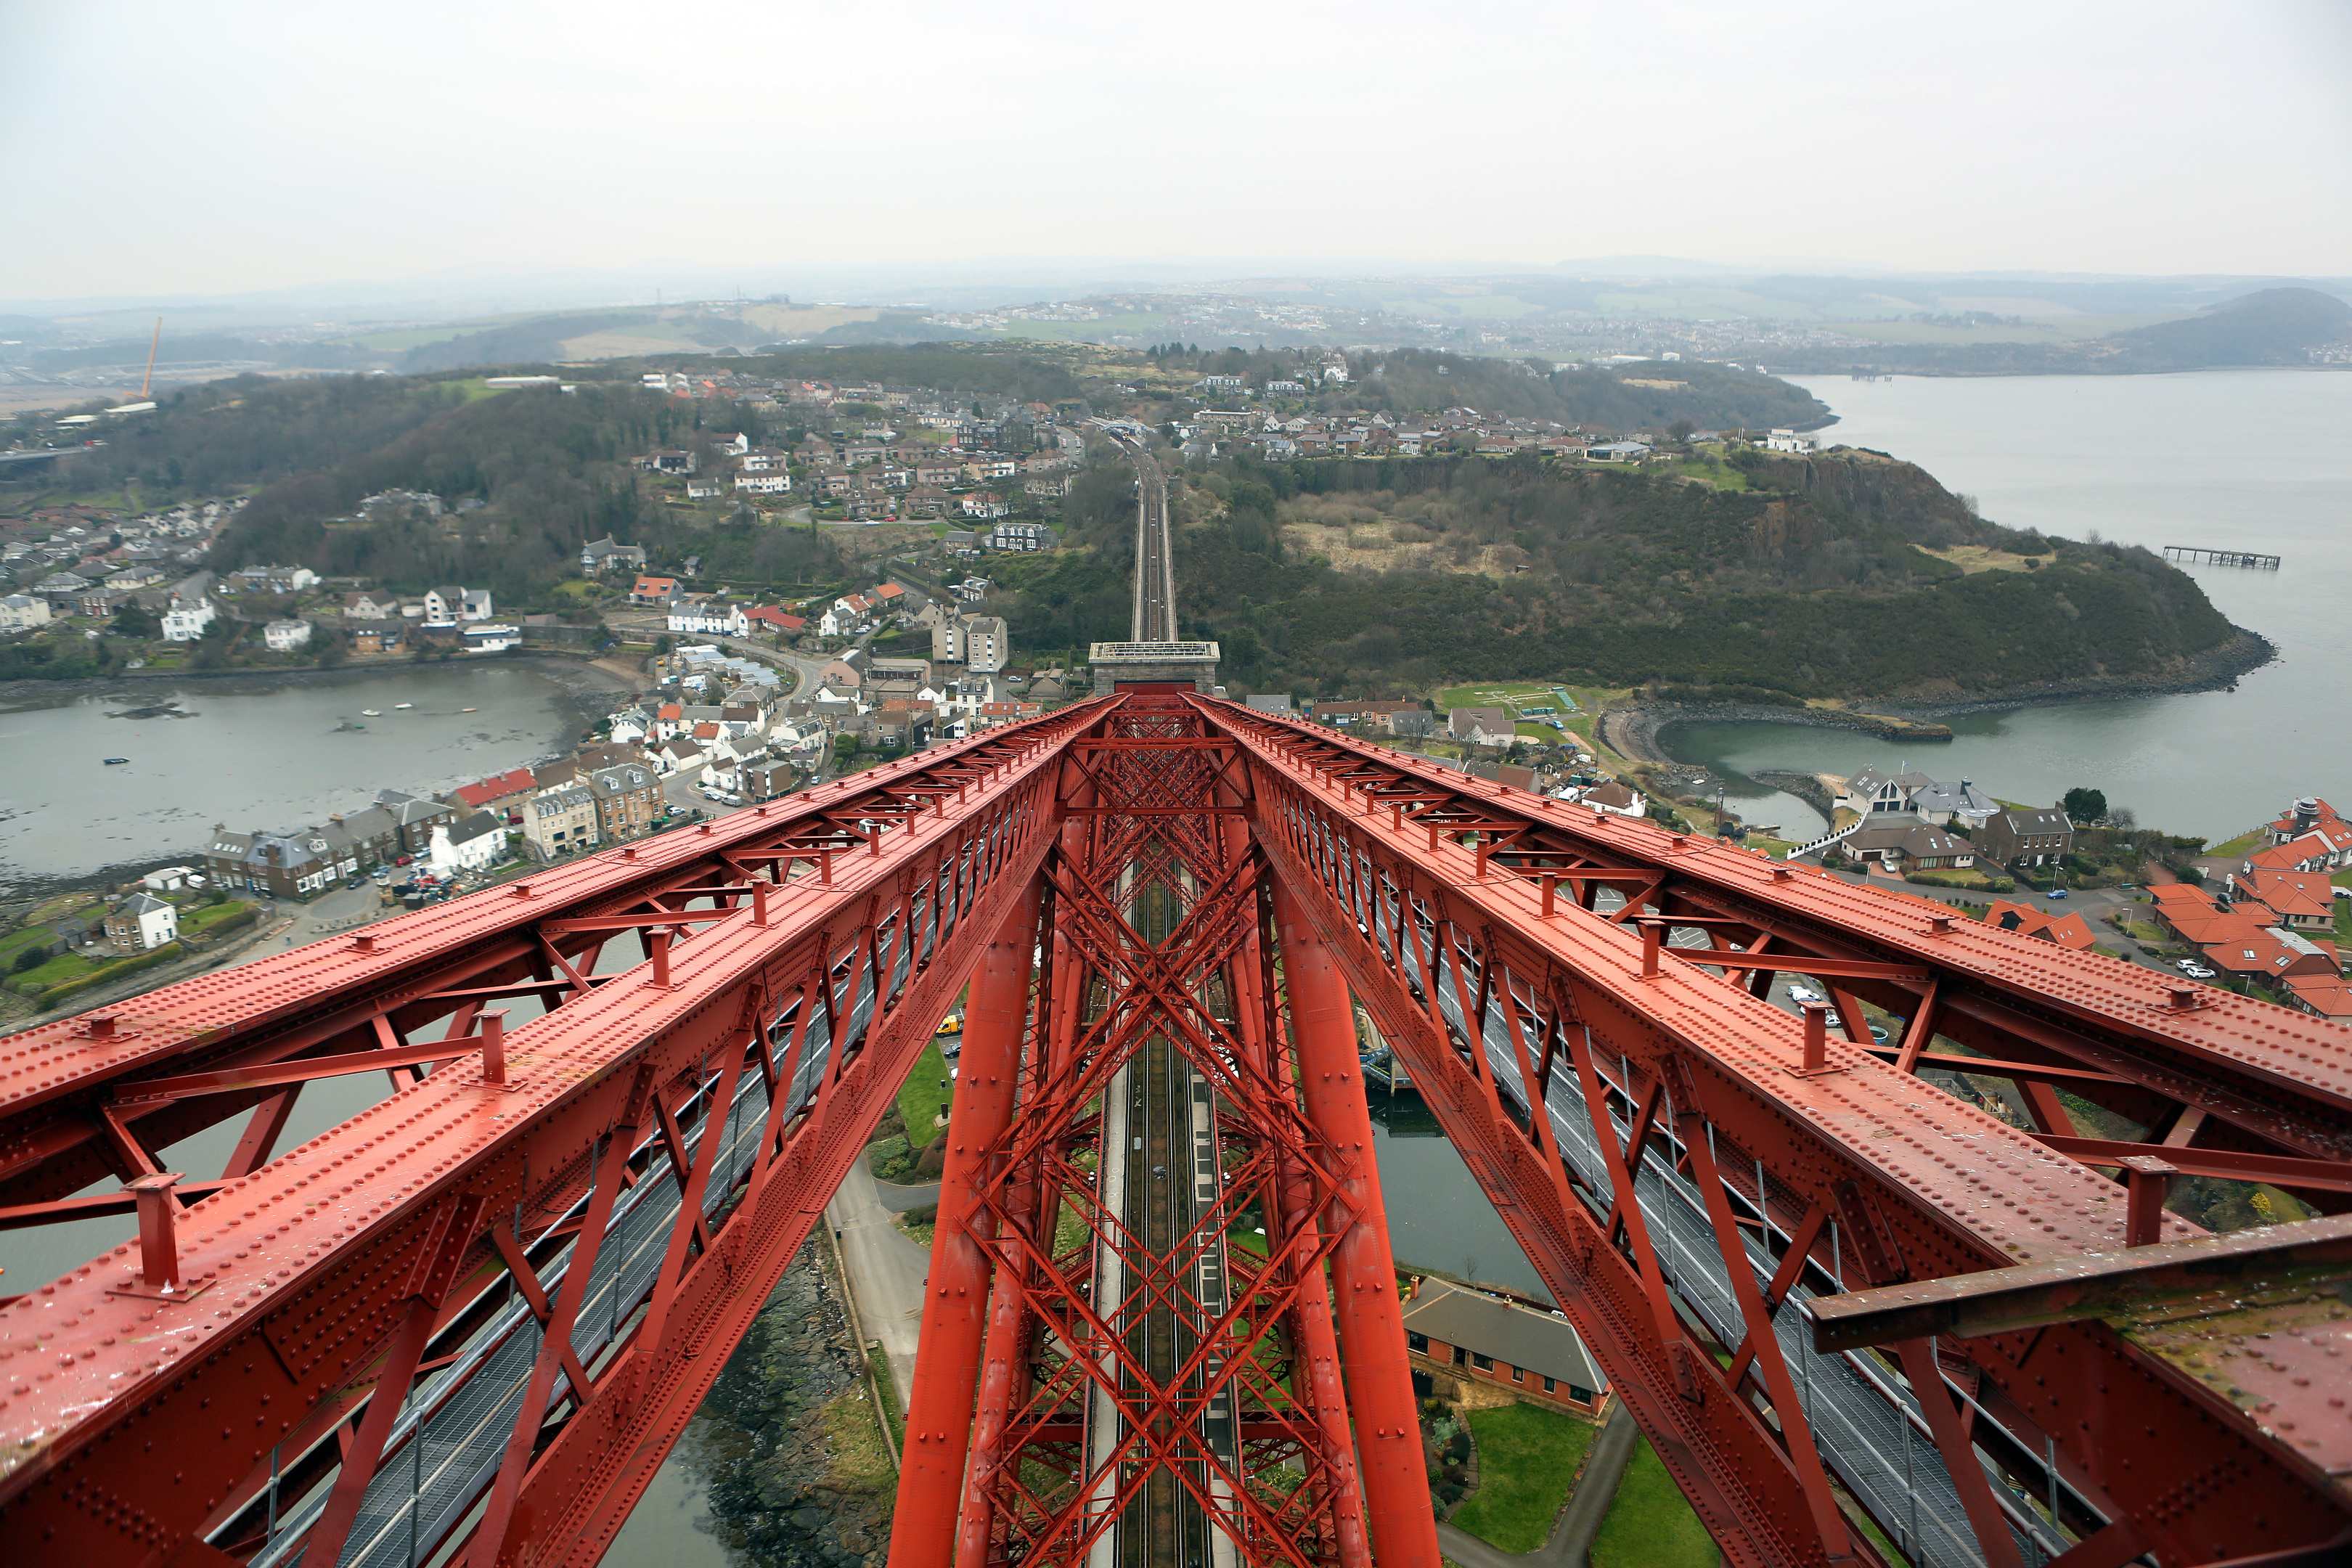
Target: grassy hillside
{"points": [[551, 471], [1402, 576], [228, 435]]}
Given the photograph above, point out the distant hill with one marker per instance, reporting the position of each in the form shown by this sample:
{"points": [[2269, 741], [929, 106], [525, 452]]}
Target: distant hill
{"points": [[2269, 326]]}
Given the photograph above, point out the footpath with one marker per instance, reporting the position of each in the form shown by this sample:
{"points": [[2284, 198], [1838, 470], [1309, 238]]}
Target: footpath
{"points": [[1574, 1532]]}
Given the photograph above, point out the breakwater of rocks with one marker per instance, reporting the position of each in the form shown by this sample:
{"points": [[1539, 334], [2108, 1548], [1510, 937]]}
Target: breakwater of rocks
{"points": [[787, 1443]]}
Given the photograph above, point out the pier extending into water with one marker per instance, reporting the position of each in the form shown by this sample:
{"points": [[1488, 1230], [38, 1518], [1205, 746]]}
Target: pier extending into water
{"points": [[2203, 557]]}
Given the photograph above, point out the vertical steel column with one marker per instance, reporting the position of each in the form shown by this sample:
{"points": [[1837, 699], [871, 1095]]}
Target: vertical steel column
{"points": [[1310, 1313], [1371, 1324], [955, 1314]]}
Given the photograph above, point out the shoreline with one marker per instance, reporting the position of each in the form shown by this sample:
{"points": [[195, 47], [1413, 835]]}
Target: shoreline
{"points": [[585, 690], [24, 693], [1633, 733]]}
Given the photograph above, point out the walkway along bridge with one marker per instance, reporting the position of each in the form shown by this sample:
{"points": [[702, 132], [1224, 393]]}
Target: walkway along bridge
{"points": [[469, 1323]]}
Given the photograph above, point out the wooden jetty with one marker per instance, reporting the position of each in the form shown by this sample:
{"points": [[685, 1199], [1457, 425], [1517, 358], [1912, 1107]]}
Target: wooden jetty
{"points": [[2203, 557]]}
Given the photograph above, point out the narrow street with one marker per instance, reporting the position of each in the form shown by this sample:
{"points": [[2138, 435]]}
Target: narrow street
{"points": [[886, 1268]]}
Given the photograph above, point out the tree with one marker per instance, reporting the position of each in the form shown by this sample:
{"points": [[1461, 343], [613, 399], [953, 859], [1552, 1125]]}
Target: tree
{"points": [[133, 619], [2084, 804], [1682, 429]]}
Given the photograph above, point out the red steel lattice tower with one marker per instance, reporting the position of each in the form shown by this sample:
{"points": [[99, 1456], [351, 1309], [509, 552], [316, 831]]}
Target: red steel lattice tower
{"points": [[1155, 1071]]}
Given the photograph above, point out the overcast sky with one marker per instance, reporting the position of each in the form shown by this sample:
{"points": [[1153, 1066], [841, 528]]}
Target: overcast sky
{"points": [[224, 147]]}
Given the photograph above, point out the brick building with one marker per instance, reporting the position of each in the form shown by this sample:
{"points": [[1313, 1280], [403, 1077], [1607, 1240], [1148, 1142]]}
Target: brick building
{"points": [[1472, 1343]]}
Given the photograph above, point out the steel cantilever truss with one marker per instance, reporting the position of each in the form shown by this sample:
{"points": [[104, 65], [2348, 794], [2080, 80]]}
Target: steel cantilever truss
{"points": [[474, 1319]]}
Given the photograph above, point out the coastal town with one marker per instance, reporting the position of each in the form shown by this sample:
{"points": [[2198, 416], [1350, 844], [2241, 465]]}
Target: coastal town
{"points": [[730, 694]]}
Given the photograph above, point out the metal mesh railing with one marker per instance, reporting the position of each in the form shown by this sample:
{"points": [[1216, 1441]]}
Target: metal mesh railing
{"points": [[1868, 1426]]}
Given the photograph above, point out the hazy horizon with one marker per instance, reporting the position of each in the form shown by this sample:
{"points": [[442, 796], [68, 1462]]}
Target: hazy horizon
{"points": [[153, 152]]}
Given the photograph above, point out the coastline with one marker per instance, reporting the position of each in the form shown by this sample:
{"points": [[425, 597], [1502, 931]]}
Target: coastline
{"points": [[26, 693], [581, 691], [1633, 732]]}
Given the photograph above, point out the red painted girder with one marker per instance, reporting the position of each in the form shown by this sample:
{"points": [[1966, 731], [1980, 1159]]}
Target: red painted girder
{"points": [[1945, 1166], [2299, 1065], [288, 1003], [2321, 1175], [110, 1373]]}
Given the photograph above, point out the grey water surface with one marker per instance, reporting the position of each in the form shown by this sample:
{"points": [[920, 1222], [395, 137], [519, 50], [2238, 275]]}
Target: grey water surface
{"points": [[2246, 459]]}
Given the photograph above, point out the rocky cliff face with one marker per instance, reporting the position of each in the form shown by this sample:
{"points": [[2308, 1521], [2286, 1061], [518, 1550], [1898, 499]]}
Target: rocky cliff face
{"points": [[1878, 490]]}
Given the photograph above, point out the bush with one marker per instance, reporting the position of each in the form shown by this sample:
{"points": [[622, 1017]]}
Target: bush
{"points": [[33, 957]]}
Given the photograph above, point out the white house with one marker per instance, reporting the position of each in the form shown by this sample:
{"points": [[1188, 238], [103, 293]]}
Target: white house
{"points": [[447, 606], [168, 877], [20, 612], [631, 725], [709, 617], [469, 845], [143, 923], [285, 636], [494, 637], [1789, 441], [771, 482], [186, 619]]}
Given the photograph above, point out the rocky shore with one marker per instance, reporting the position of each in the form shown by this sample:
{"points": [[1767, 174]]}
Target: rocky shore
{"points": [[787, 1443], [1633, 732]]}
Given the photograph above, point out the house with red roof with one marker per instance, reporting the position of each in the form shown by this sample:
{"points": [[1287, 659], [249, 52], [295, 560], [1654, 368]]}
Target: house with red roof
{"points": [[2302, 900], [2299, 819], [2324, 997], [656, 591], [2271, 955], [769, 617], [2068, 930], [500, 794], [2324, 848]]}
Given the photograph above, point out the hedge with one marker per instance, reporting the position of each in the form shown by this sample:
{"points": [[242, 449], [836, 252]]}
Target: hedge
{"points": [[170, 952]]}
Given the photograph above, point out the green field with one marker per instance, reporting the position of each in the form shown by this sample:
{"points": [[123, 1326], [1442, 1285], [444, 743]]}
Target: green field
{"points": [[920, 1098], [405, 337], [1527, 1457], [1649, 1525]]}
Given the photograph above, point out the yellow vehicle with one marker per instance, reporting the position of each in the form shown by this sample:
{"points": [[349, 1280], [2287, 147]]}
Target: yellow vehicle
{"points": [[952, 1025]]}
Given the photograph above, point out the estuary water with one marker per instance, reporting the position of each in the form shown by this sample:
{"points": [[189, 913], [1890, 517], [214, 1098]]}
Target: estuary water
{"points": [[2246, 459], [257, 752]]}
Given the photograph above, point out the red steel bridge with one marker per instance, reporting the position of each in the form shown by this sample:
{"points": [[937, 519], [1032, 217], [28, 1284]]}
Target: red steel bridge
{"points": [[1860, 1319]]}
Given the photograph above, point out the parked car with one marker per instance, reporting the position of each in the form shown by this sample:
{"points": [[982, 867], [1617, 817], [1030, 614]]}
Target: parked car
{"points": [[2057, 893], [2194, 969], [1801, 994]]}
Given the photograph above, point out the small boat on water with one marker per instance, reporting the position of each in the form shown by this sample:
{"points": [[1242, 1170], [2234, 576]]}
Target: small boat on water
{"points": [[469, 710], [400, 705], [370, 712], [116, 761]]}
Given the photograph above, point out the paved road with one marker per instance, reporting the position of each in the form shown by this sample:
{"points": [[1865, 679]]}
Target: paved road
{"points": [[887, 1270], [1570, 1543]]}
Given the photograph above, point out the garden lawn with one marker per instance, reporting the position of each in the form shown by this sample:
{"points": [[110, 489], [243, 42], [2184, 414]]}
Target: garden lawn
{"points": [[1527, 1457], [65, 966], [1649, 1525], [210, 915], [920, 1098]]}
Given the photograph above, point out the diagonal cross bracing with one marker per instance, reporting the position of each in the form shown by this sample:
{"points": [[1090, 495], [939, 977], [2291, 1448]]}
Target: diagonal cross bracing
{"points": [[1192, 892]]}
